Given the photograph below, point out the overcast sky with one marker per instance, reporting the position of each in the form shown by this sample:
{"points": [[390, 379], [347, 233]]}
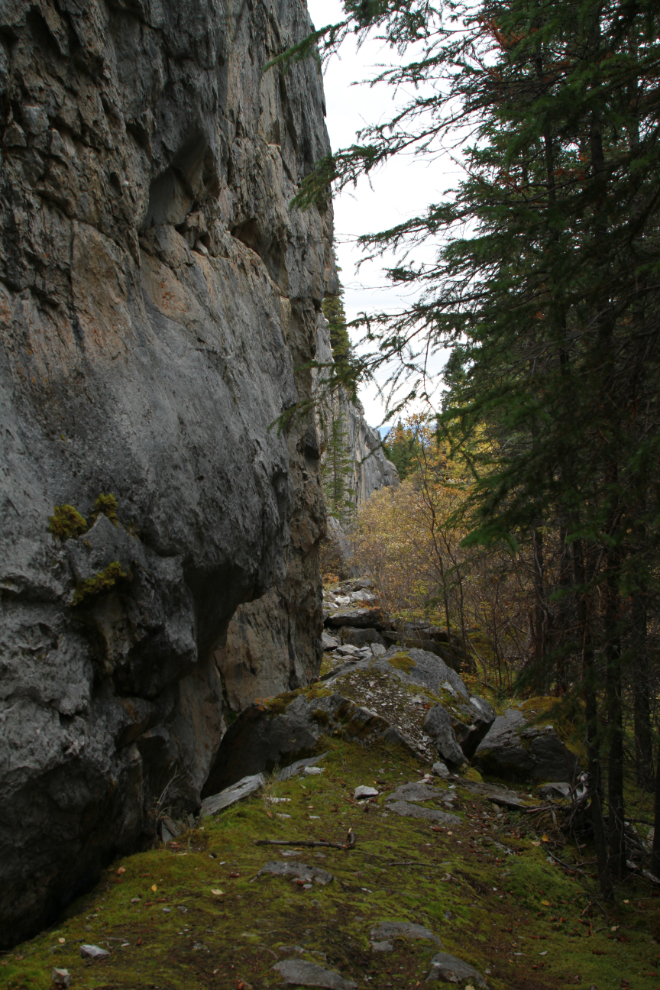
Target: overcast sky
{"points": [[403, 187]]}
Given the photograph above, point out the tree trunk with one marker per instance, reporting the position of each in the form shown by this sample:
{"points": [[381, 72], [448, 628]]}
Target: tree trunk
{"points": [[539, 624], [591, 713], [615, 802], [562, 620], [641, 697], [655, 855]]}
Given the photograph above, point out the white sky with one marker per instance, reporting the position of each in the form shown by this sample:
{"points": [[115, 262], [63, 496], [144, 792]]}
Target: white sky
{"points": [[401, 188]]}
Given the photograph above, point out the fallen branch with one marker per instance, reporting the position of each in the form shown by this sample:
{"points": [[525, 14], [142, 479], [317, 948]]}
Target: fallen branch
{"points": [[415, 862], [310, 843], [642, 873], [566, 866]]}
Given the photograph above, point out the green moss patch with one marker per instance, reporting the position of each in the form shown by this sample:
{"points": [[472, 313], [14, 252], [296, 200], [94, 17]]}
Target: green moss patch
{"points": [[401, 661], [106, 505], [100, 584], [197, 914], [66, 522]]}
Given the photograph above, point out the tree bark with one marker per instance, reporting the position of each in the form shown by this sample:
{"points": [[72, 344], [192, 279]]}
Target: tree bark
{"points": [[615, 801], [591, 713], [655, 854], [540, 611], [641, 697]]}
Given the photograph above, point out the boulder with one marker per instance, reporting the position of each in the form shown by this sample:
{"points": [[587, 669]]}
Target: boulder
{"points": [[555, 791], [515, 751], [420, 634], [443, 719], [449, 969], [358, 617], [440, 770], [360, 636], [438, 725], [264, 737], [329, 642]]}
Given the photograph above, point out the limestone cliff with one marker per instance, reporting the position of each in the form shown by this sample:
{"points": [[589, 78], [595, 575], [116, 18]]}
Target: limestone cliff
{"points": [[156, 296], [271, 643]]}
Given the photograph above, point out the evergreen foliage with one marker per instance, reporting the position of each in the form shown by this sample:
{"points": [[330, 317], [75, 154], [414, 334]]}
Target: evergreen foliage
{"points": [[401, 446], [546, 287], [346, 369], [337, 470]]}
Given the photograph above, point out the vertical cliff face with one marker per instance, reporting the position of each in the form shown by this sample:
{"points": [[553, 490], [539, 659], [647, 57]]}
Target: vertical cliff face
{"points": [[272, 644], [156, 297]]}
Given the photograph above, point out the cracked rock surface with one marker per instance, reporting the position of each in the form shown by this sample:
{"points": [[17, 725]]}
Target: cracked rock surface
{"points": [[157, 295]]}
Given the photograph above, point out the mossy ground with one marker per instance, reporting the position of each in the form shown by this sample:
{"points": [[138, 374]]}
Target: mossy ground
{"points": [[518, 916]]}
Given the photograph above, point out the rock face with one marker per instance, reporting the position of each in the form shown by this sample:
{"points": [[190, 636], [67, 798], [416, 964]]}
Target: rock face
{"points": [[385, 697], [157, 294], [516, 751], [261, 738]]}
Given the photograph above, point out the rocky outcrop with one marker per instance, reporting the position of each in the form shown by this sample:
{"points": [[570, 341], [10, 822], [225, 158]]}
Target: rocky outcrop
{"points": [[514, 750], [397, 697], [263, 737], [157, 294]]}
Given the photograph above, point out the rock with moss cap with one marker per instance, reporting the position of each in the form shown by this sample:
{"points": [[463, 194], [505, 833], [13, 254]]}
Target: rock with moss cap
{"points": [[515, 750], [457, 722]]}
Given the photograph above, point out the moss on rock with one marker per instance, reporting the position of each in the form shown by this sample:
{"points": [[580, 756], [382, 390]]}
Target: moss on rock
{"points": [[66, 522], [401, 661], [100, 584]]}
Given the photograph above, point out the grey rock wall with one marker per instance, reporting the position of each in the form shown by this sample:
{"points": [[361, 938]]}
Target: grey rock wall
{"points": [[156, 295]]}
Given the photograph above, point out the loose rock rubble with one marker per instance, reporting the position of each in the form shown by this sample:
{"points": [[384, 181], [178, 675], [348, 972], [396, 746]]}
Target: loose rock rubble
{"points": [[383, 934], [306, 974], [449, 969], [307, 874]]}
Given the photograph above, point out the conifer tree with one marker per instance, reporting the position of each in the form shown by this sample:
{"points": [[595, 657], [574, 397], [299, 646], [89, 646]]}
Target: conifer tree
{"points": [[550, 303], [337, 469]]}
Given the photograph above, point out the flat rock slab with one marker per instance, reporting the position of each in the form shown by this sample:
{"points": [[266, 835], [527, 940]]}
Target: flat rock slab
{"points": [[414, 811], [237, 792], [402, 929], [449, 969], [93, 952], [556, 790], [299, 767], [299, 870], [306, 974], [360, 617], [416, 792], [498, 795], [364, 791]]}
